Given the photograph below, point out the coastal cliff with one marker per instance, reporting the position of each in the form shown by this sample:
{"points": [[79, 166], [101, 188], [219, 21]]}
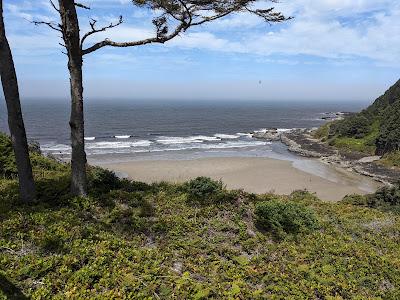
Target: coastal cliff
{"points": [[367, 142]]}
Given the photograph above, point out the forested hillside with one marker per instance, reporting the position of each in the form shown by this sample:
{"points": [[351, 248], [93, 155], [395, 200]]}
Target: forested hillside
{"points": [[375, 130]]}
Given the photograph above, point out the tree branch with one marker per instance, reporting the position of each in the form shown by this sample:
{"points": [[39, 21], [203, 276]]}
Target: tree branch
{"points": [[94, 30], [52, 25], [158, 39], [188, 14], [54, 6], [82, 6]]}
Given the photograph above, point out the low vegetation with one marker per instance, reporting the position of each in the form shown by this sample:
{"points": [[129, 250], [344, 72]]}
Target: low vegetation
{"points": [[386, 198], [190, 241], [205, 191], [362, 143], [391, 159], [283, 217]]}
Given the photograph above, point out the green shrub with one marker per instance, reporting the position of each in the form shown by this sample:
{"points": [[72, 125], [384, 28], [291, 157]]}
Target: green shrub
{"points": [[304, 196], [8, 167], [128, 218], [134, 200], [51, 243], [359, 200], [357, 126], [389, 135], [54, 189], [385, 196], [135, 186], [82, 203], [206, 191], [323, 131], [391, 159], [285, 217], [102, 180], [42, 163]]}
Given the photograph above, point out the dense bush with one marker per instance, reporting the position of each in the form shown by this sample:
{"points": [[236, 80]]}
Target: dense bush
{"points": [[387, 198], [204, 190], [41, 165], [282, 218], [359, 200], [54, 189], [357, 126], [391, 159], [389, 137], [8, 167], [374, 130], [102, 180]]}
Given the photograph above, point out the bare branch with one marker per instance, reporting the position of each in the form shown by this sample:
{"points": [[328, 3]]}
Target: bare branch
{"points": [[95, 30], [52, 25], [53, 5]]}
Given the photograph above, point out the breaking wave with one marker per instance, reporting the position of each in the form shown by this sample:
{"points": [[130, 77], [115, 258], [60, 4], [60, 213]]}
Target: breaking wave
{"points": [[128, 144]]}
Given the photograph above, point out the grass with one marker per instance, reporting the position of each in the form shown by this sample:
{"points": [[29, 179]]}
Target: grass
{"points": [[391, 159], [363, 145], [322, 132], [151, 242], [130, 240]]}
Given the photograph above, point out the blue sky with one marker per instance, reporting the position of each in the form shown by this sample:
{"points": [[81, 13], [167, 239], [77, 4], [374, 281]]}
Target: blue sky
{"points": [[345, 50]]}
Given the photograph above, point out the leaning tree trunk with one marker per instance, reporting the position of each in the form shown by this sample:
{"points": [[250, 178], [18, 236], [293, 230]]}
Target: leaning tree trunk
{"points": [[15, 120], [70, 28]]}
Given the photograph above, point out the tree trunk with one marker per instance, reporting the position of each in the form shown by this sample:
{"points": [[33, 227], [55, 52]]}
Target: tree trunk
{"points": [[70, 28], [15, 120]]}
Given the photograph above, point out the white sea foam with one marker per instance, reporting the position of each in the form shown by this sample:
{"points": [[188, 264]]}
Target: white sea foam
{"points": [[227, 136], [162, 143], [244, 134], [55, 147], [114, 145], [177, 140], [124, 137], [264, 130], [167, 140]]}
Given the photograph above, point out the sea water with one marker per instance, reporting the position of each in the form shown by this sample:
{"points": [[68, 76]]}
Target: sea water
{"points": [[131, 130]]}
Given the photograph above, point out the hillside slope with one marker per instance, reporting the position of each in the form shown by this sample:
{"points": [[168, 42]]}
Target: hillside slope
{"points": [[129, 240], [375, 130]]}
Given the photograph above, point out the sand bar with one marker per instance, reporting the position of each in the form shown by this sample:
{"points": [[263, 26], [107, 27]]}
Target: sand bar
{"points": [[257, 175]]}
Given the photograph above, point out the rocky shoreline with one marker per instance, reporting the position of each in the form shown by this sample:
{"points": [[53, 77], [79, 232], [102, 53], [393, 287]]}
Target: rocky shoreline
{"points": [[302, 142]]}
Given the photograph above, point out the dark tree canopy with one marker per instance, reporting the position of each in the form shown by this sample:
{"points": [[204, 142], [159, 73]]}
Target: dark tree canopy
{"points": [[177, 16]]}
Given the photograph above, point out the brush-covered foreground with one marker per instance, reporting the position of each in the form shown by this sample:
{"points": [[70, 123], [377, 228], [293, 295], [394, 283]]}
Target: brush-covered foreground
{"points": [[191, 241]]}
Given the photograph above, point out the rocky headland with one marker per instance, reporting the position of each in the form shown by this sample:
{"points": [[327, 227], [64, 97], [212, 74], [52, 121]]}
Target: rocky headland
{"points": [[303, 143]]}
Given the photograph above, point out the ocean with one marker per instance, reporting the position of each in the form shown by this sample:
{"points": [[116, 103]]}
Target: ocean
{"points": [[123, 130]]}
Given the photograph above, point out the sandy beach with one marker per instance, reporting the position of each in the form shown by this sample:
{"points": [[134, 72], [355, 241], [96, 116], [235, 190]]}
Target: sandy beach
{"points": [[257, 175]]}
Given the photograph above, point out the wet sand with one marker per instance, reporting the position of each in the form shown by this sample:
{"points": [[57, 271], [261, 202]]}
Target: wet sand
{"points": [[256, 175]]}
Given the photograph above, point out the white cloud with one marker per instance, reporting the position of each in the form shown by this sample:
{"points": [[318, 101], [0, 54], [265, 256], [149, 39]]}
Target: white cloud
{"points": [[333, 29], [372, 31]]}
